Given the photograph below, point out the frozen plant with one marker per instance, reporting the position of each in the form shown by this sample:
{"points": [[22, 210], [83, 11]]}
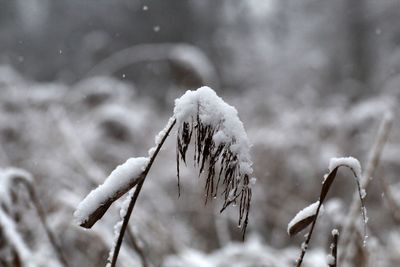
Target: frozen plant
{"points": [[11, 221], [309, 215], [221, 152]]}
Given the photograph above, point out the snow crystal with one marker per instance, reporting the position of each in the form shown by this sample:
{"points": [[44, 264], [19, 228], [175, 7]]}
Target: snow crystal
{"points": [[363, 193], [330, 260], [304, 213], [350, 162], [335, 232], [119, 178], [364, 210], [214, 111]]}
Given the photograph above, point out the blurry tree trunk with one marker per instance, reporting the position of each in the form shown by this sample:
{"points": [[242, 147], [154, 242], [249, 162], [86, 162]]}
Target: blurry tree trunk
{"points": [[358, 63]]}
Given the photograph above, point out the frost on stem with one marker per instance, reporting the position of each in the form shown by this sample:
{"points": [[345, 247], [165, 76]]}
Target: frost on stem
{"points": [[221, 147]]}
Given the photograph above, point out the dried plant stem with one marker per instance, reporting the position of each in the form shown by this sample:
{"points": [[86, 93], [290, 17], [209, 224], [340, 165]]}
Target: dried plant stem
{"points": [[373, 162], [334, 246], [304, 246], [136, 195], [42, 217]]}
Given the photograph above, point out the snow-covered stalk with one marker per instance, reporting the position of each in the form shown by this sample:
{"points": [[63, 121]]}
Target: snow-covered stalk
{"points": [[332, 257], [221, 150], [13, 177], [221, 147], [310, 214], [372, 164], [135, 195]]}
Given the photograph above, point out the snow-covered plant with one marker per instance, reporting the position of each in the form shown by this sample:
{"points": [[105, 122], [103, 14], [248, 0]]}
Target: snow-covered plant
{"points": [[221, 153], [310, 214], [11, 180], [332, 256]]}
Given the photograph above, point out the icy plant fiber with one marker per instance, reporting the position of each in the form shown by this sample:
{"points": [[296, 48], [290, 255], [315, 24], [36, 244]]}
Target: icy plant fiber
{"points": [[221, 147]]}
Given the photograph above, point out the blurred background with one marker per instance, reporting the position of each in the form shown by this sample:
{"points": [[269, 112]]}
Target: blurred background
{"points": [[84, 85]]}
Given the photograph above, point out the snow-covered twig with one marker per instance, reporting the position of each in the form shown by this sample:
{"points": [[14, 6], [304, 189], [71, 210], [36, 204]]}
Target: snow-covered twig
{"points": [[219, 138], [332, 257], [310, 214], [15, 176], [372, 164], [139, 186], [120, 181]]}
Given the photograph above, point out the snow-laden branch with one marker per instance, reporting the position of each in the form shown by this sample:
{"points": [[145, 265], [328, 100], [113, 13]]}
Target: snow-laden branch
{"points": [[221, 147], [303, 218], [220, 144], [309, 215], [124, 177]]}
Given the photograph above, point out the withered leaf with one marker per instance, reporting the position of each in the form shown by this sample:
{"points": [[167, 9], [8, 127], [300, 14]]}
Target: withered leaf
{"points": [[327, 184], [301, 225]]}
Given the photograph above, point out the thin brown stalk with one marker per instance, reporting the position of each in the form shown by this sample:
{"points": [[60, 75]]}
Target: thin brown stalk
{"points": [[372, 164], [334, 246], [297, 227], [136, 195], [304, 246]]}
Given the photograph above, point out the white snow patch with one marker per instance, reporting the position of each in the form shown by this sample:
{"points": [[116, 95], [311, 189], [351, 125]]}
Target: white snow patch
{"points": [[304, 213], [119, 178], [335, 232], [214, 111], [350, 162], [363, 193], [330, 260]]}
